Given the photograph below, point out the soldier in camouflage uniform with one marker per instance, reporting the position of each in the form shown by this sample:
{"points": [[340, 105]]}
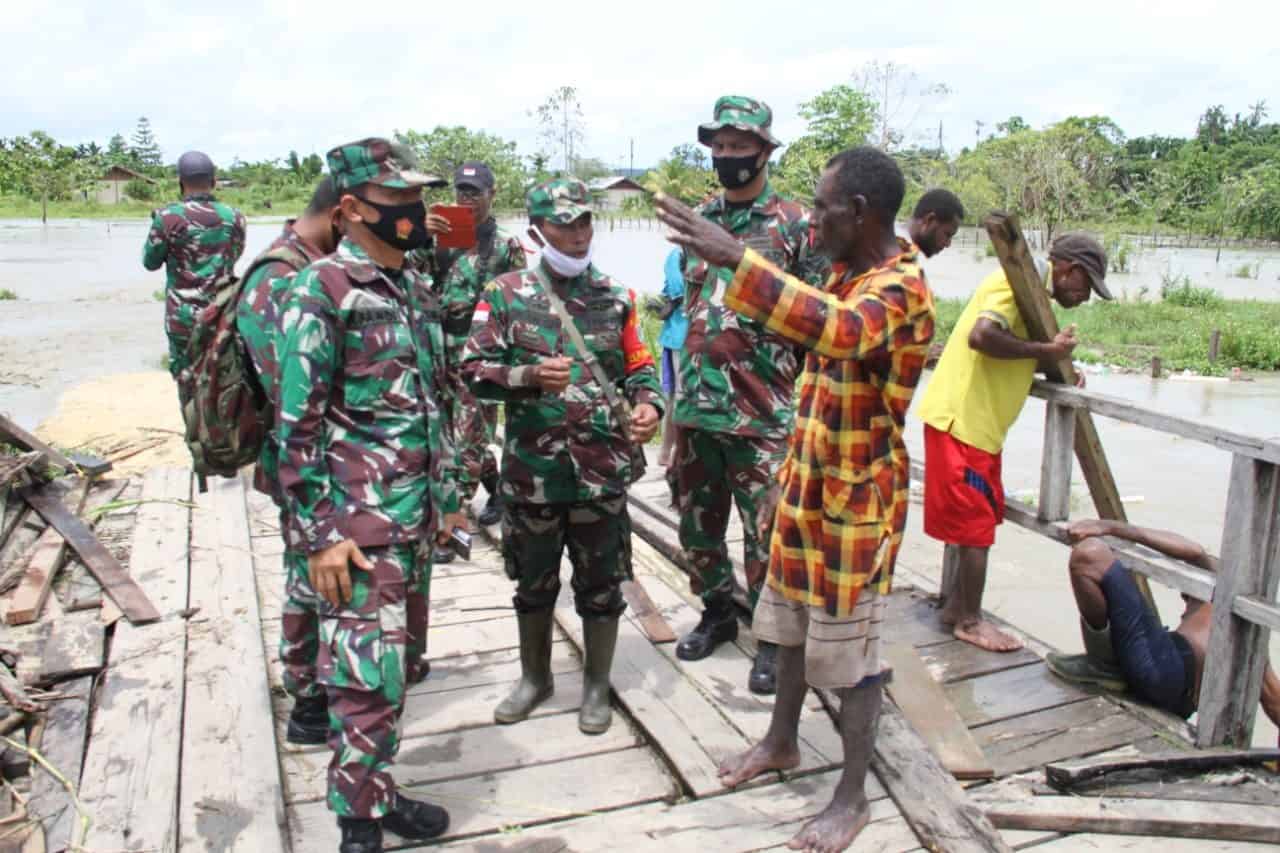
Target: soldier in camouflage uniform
{"points": [[496, 252], [567, 460], [303, 241], [366, 468], [734, 408], [199, 240]]}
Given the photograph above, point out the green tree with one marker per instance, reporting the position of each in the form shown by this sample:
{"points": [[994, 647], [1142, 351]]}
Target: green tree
{"points": [[45, 170], [680, 176], [562, 126], [145, 151], [118, 153], [838, 118], [444, 149]]}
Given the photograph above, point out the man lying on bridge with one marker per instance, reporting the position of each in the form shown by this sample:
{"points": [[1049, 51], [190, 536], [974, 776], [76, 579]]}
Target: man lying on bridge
{"points": [[1125, 645]]}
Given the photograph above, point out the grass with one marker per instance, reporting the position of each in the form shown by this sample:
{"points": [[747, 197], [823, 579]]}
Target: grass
{"points": [[7, 294], [1247, 271], [1130, 333]]}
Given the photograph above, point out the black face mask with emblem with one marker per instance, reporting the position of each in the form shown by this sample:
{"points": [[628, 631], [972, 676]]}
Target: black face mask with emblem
{"points": [[401, 226], [736, 172]]}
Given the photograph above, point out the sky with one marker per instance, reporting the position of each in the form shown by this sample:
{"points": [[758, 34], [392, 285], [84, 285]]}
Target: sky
{"points": [[254, 80]]}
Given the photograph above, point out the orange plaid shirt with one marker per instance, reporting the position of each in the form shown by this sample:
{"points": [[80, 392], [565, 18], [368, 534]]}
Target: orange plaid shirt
{"points": [[845, 481]]}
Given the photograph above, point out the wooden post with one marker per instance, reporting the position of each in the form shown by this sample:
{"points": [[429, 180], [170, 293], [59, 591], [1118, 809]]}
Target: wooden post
{"points": [[1156, 364], [1055, 462], [1033, 304], [1215, 343], [1237, 655]]}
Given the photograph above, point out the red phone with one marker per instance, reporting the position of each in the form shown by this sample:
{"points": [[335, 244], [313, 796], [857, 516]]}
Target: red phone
{"points": [[462, 226]]}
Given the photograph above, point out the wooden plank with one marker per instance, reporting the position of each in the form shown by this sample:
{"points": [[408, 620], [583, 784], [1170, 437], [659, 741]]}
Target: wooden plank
{"points": [[72, 645], [66, 726], [14, 434], [1037, 313], [931, 801], [529, 795], [691, 731], [46, 558], [1253, 447], [1184, 819], [117, 583], [1067, 774], [1087, 842], [958, 660], [1011, 693], [1055, 463], [462, 753], [1237, 655], [227, 718], [1241, 790], [1078, 729], [926, 707], [131, 769], [913, 615], [645, 614]]}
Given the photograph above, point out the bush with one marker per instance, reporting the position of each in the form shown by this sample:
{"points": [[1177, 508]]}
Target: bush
{"points": [[1178, 290], [7, 294], [1119, 249], [141, 190]]}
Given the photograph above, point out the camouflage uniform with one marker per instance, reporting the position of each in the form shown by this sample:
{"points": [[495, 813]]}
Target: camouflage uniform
{"points": [[565, 464], [366, 454], [734, 407], [476, 422], [266, 282], [199, 240]]}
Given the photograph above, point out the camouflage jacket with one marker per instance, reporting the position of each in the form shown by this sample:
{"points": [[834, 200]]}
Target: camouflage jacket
{"points": [[567, 447], [366, 446], [257, 316], [467, 276], [735, 376], [199, 240]]}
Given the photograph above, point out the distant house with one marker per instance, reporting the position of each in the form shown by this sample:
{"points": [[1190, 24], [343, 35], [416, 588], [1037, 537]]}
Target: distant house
{"points": [[109, 189], [612, 191]]}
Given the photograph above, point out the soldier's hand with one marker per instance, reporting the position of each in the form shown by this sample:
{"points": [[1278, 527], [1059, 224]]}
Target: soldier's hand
{"points": [[552, 374], [437, 224], [330, 573], [644, 422], [700, 236], [765, 512], [448, 523]]}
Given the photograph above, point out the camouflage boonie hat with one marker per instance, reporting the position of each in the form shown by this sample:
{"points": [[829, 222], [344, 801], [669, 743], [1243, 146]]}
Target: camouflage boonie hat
{"points": [[740, 113], [559, 200], [377, 161]]}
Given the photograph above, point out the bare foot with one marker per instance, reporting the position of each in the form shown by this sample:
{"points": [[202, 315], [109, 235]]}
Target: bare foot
{"points": [[756, 760], [984, 635], [833, 830]]}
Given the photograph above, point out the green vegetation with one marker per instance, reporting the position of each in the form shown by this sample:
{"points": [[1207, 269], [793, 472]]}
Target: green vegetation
{"points": [[7, 294], [158, 295], [1248, 270]]}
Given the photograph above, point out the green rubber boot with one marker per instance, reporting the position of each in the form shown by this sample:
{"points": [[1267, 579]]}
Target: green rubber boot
{"points": [[1097, 666], [535, 685], [600, 638]]}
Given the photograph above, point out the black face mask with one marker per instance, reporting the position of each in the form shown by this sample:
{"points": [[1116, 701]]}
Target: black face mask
{"points": [[402, 226], [736, 172]]}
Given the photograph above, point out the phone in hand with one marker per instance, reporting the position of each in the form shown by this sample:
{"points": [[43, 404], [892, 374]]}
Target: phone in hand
{"points": [[460, 542], [462, 226]]}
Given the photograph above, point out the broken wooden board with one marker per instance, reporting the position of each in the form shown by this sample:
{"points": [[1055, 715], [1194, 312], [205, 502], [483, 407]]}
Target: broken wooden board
{"points": [[12, 466], [131, 769], [1181, 819], [1066, 774], [116, 582], [71, 645], [925, 705], [227, 719], [1081, 728], [645, 614], [1010, 693], [62, 744], [14, 434], [45, 560]]}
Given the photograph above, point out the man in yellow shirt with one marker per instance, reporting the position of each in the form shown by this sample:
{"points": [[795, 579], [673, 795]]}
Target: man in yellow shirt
{"points": [[974, 396]]}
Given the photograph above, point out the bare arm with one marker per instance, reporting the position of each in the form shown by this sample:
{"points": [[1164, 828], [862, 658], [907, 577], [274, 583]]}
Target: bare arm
{"points": [[990, 338], [1166, 542], [1270, 699]]}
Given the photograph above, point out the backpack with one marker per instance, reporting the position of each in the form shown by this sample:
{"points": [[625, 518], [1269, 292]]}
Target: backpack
{"points": [[226, 413]]}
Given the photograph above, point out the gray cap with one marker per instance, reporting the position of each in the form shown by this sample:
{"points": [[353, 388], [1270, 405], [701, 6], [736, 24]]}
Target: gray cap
{"points": [[195, 164], [1078, 248]]}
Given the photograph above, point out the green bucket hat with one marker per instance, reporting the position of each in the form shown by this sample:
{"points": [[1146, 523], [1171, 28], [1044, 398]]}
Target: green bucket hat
{"points": [[740, 113], [378, 161], [559, 200]]}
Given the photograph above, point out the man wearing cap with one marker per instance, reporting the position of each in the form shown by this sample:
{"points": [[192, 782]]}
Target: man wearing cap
{"points": [[976, 392], [567, 461], [199, 240], [734, 404], [496, 252], [366, 470]]}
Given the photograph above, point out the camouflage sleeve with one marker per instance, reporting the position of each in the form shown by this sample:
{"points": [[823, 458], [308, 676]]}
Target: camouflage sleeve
{"points": [[823, 322], [307, 341], [238, 231], [485, 361], [156, 248], [457, 303], [516, 259], [642, 384]]}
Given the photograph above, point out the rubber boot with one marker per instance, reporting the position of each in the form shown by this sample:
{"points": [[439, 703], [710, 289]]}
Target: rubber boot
{"points": [[600, 639], [492, 512], [1097, 666], [535, 685], [359, 835]]}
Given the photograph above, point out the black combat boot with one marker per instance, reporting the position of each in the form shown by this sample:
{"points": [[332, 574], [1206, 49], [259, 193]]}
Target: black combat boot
{"points": [[719, 624], [764, 672], [600, 638], [360, 835], [492, 512], [415, 820], [309, 721]]}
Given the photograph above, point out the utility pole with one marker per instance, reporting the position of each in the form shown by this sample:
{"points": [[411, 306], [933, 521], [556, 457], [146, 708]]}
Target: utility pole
{"points": [[978, 125], [631, 171], [939, 138]]}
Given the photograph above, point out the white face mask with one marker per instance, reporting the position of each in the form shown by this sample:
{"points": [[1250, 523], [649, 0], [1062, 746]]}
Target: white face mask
{"points": [[560, 263]]}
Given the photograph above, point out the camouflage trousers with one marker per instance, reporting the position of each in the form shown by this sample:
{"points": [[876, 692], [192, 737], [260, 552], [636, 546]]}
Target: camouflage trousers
{"points": [[712, 472], [363, 662], [299, 629], [597, 535], [476, 424]]}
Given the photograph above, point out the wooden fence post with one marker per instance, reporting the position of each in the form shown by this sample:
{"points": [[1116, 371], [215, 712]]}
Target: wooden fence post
{"points": [[1237, 655], [1055, 462]]}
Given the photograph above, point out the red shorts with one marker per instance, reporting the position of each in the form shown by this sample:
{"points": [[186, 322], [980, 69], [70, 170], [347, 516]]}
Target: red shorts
{"points": [[963, 493]]}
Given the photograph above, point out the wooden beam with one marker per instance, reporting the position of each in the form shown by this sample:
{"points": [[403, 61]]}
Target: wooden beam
{"points": [[46, 558], [647, 616], [925, 705], [1254, 447], [16, 435], [1066, 774], [1237, 655], [1033, 305], [1055, 463]]}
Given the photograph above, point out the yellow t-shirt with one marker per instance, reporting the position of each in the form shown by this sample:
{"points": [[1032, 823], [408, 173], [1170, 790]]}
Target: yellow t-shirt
{"points": [[973, 396]]}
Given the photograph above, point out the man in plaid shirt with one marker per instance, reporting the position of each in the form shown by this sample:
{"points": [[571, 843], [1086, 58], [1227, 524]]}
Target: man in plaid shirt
{"points": [[844, 485]]}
